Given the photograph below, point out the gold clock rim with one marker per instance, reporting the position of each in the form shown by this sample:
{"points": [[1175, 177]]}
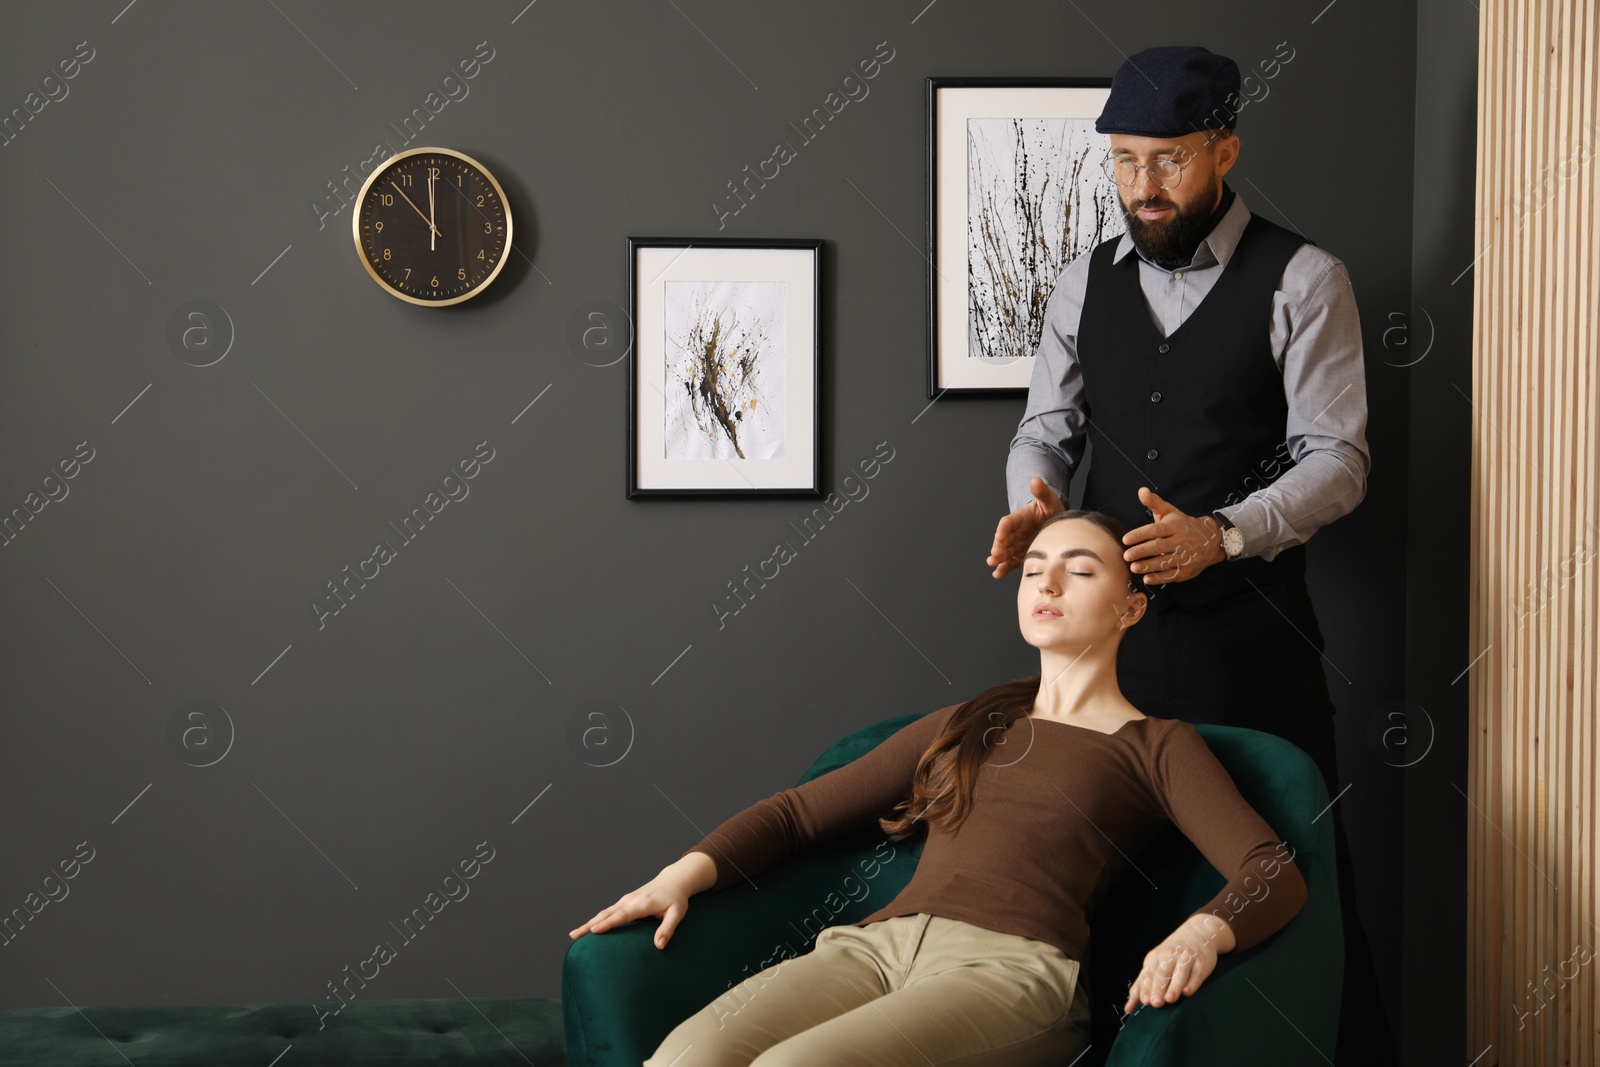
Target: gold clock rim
{"points": [[361, 253]]}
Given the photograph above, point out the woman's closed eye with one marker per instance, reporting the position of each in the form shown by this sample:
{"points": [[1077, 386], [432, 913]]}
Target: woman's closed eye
{"points": [[1081, 574]]}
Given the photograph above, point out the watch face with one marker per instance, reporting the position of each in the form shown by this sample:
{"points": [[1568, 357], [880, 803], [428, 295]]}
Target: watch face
{"points": [[432, 227]]}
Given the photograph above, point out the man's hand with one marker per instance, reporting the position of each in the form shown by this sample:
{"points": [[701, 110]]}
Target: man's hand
{"points": [[1173, 547], [1016, 530], [1178, 965]]}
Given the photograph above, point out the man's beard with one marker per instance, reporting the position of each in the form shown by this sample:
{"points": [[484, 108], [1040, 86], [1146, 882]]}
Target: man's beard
{"points": [[1175, 237]]}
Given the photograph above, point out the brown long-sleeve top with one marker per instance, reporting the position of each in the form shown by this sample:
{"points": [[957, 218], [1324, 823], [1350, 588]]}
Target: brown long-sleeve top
{"points": [[1057, 812]]}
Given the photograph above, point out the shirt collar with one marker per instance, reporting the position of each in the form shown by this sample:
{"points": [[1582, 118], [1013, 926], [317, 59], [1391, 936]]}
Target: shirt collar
{"points": [[1216, 247]]}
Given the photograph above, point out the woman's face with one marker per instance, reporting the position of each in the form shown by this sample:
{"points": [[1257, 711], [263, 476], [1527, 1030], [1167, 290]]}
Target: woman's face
{"points": [[1074, 589]]}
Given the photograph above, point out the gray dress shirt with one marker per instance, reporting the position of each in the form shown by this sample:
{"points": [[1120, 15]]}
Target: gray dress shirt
{"points": [[1316, 341]]}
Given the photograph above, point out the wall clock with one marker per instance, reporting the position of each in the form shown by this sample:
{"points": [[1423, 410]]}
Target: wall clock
{"points": [[433, 226]]}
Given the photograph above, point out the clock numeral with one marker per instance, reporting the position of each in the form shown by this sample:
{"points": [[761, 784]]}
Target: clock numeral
{"points": [[408, 275], [488, 228], [458, 181], [405, 179], [433, 172], [480, 253], [435, 282], [480, 199], [461, 274], [385, 253], [386, 199], [378, 226]]}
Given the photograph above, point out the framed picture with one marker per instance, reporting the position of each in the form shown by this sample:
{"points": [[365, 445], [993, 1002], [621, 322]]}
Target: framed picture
{"points": [[724, 371], [1016, 191]]}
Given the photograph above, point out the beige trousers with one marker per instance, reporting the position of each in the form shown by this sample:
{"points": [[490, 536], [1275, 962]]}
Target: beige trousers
{"points": [[912, 990]]}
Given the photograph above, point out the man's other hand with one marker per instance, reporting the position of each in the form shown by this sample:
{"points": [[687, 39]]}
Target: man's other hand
{"points": [[1016, 531], [1175, 547]]}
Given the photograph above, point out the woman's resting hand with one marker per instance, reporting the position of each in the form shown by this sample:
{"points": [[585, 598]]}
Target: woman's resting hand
{"points": [[666, 895], [1178, 965]]}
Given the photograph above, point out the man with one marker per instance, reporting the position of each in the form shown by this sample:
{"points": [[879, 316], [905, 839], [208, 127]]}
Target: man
{"points": [[1220, 375]]}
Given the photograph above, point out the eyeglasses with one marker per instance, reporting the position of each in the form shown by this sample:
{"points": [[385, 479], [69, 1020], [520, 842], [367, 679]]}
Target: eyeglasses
{"points": [[1124, 171]]}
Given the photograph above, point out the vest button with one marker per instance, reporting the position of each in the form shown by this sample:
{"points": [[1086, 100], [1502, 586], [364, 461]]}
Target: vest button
{"points": [[1178, 274], [1163, 347], [1150, 454], [1155, 398]]}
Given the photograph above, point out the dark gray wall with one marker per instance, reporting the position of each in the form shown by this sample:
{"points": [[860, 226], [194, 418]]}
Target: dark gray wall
{"points": [[1430, 349], [371, 755]]}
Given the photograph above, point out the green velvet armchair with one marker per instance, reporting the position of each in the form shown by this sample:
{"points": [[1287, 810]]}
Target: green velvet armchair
{"points": [[1276, 1003]]}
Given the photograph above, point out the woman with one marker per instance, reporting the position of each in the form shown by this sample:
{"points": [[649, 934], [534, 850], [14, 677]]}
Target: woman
{"points": [[1034, 793]]}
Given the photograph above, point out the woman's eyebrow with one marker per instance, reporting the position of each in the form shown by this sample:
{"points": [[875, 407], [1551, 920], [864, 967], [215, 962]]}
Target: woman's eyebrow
{"points": [[1035, 553]]}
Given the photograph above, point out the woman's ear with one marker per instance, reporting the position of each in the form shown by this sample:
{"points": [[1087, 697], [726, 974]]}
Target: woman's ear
{"points": [[1137, 602]]}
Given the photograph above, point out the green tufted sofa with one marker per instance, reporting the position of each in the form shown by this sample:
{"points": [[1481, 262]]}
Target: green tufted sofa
{"points": [[1276, 1004], [506, 1032]]}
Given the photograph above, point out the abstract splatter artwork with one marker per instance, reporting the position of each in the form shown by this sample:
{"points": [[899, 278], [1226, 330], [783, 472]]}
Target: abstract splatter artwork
{"points": [[1037, 199], [725, 370]]}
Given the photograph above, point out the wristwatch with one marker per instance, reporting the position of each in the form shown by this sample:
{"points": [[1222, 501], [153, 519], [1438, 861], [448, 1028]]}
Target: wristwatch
{"points": [[1232, 536]]}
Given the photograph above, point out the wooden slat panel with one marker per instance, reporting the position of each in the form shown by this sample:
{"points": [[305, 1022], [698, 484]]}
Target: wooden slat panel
{"points": [[1533, 949]]}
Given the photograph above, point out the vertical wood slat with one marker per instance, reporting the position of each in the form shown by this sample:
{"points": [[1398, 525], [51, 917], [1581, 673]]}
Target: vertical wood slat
{"points": [[1533, 932]]}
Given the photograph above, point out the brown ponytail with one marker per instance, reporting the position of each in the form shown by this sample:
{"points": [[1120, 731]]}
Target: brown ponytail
{"points": [[941, 789]]}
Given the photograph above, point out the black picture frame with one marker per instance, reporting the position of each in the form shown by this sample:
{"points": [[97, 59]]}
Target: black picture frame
{"points": [[801, 475], [936, 385]]}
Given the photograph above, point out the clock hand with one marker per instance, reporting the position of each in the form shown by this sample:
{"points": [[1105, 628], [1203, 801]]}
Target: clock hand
{"points": [[433, 237], [415, 208]]}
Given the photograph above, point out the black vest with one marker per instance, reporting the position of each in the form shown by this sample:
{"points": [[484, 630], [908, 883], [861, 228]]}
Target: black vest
{"points": [[1199, 416]]}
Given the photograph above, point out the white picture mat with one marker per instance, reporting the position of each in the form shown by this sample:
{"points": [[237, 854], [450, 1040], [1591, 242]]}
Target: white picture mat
{"points": [[655, 265], [954, 107]]}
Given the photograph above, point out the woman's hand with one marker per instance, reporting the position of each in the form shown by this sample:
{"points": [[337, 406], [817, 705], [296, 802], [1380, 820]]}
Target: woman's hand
{"points": [[1016, 530], [1178, 965], [666, 895]]}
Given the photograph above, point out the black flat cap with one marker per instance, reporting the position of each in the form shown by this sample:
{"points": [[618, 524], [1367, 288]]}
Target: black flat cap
{"points": [[1172, 91]]}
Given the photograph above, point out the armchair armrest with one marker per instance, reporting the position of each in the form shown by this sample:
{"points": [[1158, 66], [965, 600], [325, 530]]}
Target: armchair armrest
{"points": [[1259, 1008], [620, 995]]}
